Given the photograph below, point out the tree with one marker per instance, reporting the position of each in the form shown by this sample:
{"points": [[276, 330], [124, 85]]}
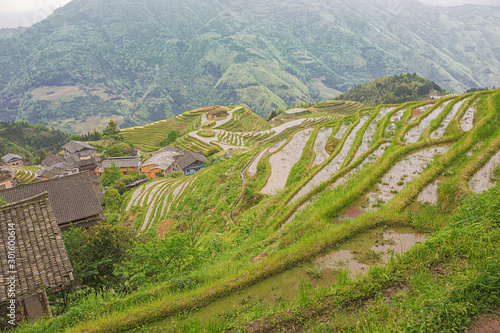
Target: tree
{"points": [[112, 198], [159, 173], [95, 252], [171, 137], [110, 175], [112, 129]]}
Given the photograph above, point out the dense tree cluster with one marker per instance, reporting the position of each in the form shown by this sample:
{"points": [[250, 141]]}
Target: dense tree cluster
{"points": [[392, 90]]}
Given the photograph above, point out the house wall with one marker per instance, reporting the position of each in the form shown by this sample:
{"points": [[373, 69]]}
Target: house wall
{"points": [[149, 171], [16, 163], [193, 165], [5, 184]]}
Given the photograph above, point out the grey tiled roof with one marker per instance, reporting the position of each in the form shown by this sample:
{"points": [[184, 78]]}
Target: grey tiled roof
{"points": [[72, 197], [189, 158], [122, 162], [11, 157], [74, 146], [52, 160], [41, 260]]}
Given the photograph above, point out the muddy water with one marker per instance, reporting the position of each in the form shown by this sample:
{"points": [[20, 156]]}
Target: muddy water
{"points": [[320, 143], [370, 132], [467, 121], [402, 173], [354, 257], [414, 133], [335, 164], [482, 180], [283, 161], [438, 133], [418, 111], [252, 169]]}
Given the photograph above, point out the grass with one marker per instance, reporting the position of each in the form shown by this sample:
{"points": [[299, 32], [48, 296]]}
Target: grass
{"points": [[316, 230]]}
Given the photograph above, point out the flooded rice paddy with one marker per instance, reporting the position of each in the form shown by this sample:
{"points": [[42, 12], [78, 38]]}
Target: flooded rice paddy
{"points": [[414, 133], [353, 258], [484, 179], [283, 161], [320, 144]]}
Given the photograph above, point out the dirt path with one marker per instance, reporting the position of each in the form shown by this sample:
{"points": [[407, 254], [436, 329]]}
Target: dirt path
{"points": [[487, 324], [283, 161]]}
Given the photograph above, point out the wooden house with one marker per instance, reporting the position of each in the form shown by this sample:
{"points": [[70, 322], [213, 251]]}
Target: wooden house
{"points": [[33, 259], [73, 198], [126, 164], [79, 149], [13, 159], [160, 162], [189, 163]]}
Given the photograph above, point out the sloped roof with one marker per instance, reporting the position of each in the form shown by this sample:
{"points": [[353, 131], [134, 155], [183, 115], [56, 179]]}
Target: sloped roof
{"points": [[131, 162], [75, 146], [168, 148], [6, 173], [189, 158], [72, 197], [162, 160], [41, 258], [55, 170], [52, 160], [11, 157]]}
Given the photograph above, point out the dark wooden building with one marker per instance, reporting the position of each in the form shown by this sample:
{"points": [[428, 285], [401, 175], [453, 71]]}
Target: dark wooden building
{"points": [[33, 259], [73, 198]]}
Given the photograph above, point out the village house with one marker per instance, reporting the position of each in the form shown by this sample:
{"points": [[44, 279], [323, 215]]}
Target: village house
{"points": [[189, 163], [126, 164], [57, 170], [79, 149], [161, 162], [41, 261], [13, 159], [73, 198], [57, 166], [7, 177]]}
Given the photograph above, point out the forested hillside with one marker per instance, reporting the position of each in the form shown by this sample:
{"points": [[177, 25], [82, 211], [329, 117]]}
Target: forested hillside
{"points": [[393, 89], [143, 61], [30, 141]]}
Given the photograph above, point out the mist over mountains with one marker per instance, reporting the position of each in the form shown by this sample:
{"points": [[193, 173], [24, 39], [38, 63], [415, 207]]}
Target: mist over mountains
{"points": [[142, 61]]}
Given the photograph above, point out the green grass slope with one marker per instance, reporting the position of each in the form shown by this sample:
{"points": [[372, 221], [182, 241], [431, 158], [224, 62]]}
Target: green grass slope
{"points": [[238, 237]]}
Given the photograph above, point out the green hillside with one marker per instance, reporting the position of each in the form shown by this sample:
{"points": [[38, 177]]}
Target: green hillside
{"points": [[393, 89], [395, 228], [29, 141], [141, 62]]}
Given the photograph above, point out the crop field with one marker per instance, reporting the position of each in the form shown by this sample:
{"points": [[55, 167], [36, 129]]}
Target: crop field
{"points": [[25, 174], [280, 233]]}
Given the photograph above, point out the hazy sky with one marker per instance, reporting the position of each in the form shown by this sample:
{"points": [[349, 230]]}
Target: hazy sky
{"points": [[14, 13]]}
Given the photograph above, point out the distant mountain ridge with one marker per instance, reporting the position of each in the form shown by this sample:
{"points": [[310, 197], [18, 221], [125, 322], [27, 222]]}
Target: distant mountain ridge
{"points": [[143, 61]]}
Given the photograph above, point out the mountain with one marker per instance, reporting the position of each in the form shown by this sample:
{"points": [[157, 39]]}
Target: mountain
{"points": [[143, 61]]}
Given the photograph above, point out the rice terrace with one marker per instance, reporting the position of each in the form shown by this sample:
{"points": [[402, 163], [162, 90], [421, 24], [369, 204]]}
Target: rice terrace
{"points": [[332, 217]]}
